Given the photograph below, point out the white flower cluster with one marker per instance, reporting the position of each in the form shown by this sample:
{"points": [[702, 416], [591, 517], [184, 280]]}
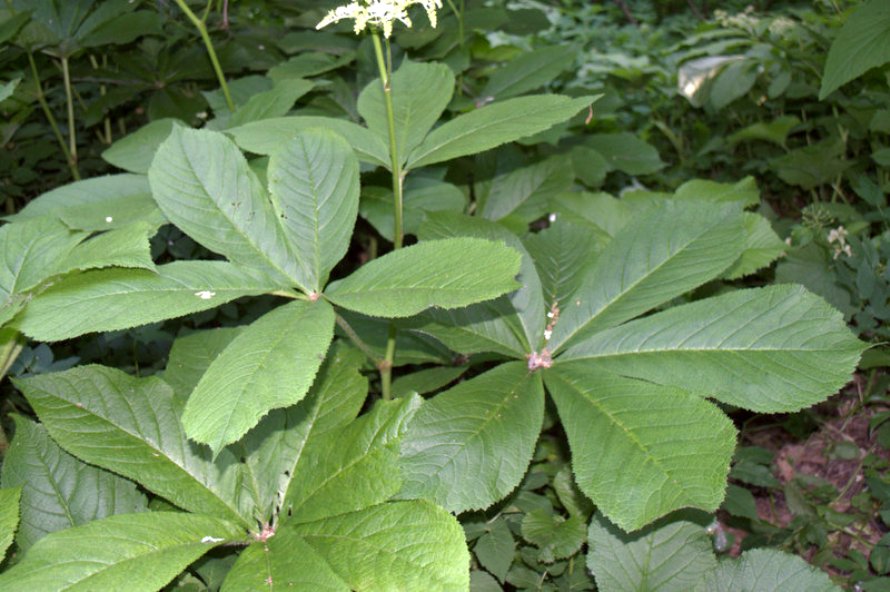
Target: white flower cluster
{"points": [[838, 238], [381, 13]]}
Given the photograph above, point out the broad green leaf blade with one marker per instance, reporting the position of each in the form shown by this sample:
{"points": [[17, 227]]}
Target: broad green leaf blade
{"points": [[495, 550], [422, 195], [633, 444], [314, 182], [559, 252], [527, 301], [448, 273], [101, 203], [134, 552], [203, 185], [268, 136], [420, 93], [767, 570], [771, 350], [127, 246], [270, 364], [524, 193], [863, 43], [470, 446], [284, 561], [671, 249], [275, 102], [626, 152], [58, 490], [744, 192], [134, 152], [487, 327], [554, 536], [396, 546], [762, 247], [114, 299], [426, 380], [493, 125], [412, 346], [131, 426], [352, 468], [673, 557], [31, 252], [191, 355], [9, 516], [528, 71], [273, 450]]}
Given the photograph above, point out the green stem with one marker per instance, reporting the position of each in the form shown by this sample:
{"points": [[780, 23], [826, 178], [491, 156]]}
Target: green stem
{"points": [[358, 341], [11, 344], [41, 98], [69, 99], [397, 181], [202, 30]]}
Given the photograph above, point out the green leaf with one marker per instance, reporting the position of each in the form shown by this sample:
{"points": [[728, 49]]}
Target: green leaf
{"points": [[527, 301], [559, 252], [131, 426], [528, 72], [666, 251], [626, 153], [496, 549], [11, 25], [57, 490], [203, 185], [127, 246], [191, 355], [7, 88], [268, 136], [273, 450], [494, 125], [265, 367], [673, 557], [771, 350], [863, 43], [767, 570], [744, 192], [351, 468], [762, 247], [138, 552], [633, 442], [431, 273], [114, 299], [471, 445], [283, 561], [733, 82], [775, 131], [9, 516], [272, 103], [395, 546], [811, 166], [420, 93], [314, 181], [487, 327], [422, 196], [134, 152], [525, 192], [426, 381], [556, 537], [100, 203]]}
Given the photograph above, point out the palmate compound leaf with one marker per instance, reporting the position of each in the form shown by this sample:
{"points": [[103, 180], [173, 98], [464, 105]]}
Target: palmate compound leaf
{"points": [[133, 552], [413, 545], [494, 125], [448, 273], [114, 299], [314, 185], [269, 365], [671, 248], [671, 557], [471, 445], [131, 426], [58, 490], [641, 450], [774, 349]]}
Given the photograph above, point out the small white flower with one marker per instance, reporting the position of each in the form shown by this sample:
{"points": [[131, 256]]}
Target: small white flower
{"points": [[381, 13], [548, 333], [205, 294]]}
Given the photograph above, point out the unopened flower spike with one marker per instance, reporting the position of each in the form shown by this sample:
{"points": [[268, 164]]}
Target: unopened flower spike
{"points": [[381, 13]]}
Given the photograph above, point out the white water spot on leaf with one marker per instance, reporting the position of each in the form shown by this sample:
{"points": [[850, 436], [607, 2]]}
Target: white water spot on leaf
{"points": [[552, 218], [210, 539], [205, 294], [109, 219]]}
